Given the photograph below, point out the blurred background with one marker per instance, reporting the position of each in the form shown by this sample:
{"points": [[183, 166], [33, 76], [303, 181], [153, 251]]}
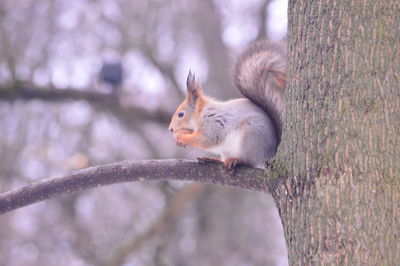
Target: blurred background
{"points": [[88, 82]]}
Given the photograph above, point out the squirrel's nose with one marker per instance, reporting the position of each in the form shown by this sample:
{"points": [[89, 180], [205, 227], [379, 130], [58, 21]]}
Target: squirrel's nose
{"points": [[171, 129]]}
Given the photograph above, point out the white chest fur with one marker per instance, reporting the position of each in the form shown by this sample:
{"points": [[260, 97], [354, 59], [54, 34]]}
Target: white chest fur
{"points": [[230, 147]]}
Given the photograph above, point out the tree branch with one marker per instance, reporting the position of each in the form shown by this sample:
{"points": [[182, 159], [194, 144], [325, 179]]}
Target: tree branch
{"points": [[107, 103], [263, 16], [150, 170]]}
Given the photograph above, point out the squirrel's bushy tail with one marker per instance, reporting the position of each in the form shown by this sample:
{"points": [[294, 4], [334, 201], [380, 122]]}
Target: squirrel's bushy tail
{"points": [[259, 74]]}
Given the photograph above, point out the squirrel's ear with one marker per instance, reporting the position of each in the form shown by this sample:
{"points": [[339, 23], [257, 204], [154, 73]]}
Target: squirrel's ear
{"points": [[194, 90]]}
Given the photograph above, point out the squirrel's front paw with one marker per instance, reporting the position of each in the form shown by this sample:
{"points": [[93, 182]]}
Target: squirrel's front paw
{"points": [[180, 144], [179, 137]]}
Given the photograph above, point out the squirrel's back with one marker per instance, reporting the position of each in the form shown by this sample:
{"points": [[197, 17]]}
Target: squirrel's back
{"points": [[259, 74]]}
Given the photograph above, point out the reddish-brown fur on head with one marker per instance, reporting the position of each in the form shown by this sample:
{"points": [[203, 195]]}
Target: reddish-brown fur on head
{"points": [[186, 113]]}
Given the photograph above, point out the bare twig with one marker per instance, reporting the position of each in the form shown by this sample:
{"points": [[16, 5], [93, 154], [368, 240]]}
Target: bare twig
{"points": [[107, 103], [166, 219], [150, 170], [263, 15]]}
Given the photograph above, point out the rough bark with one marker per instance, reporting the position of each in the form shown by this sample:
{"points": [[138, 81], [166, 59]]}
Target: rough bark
{"points": [[151, 170], [340, 205]]}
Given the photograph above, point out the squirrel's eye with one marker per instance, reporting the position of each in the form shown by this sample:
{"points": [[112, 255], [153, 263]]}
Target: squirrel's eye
{"points": [[181, 114]]}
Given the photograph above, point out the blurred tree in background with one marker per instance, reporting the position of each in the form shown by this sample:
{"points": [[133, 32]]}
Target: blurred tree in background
{"points": [[56, 116]]}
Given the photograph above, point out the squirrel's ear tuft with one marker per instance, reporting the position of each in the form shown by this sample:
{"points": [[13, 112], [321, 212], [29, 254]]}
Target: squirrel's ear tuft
{"points": [[191, 79], [194, 90]]}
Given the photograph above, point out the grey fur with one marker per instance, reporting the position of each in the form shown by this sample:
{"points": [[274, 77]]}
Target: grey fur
{"points": [[246, 129], [259, 139], [257, 74]]}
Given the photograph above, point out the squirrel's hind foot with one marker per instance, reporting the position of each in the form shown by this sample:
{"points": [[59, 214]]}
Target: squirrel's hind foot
{"points": [[231, 163]]}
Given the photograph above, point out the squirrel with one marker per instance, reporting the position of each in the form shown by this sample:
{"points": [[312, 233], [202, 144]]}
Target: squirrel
{"points": [[244, 131]]}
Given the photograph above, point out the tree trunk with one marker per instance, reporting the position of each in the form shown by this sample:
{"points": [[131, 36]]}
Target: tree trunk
{"points": [[340, 202]]}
